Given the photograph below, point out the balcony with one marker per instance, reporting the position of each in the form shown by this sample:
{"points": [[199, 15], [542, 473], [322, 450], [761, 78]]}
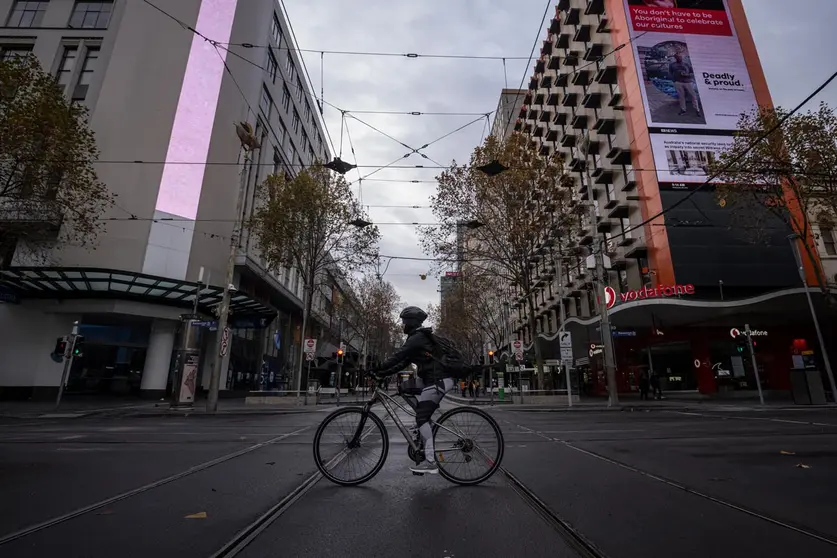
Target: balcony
{"points": [[606, 126], [583, 34], [607, 75], [581, 78], [592, 101], [594, 7], [539, 98], [540, 65], [563, 40], [568, 140], [547, 48], [594, 52], [621, 211], [603, 176], [553, 99], [570, 100], [552, 135], [554, 63], [619, 156], [546, 117], [533, 83], [571, 59], [554, 25], [546, 82], [579, 122], [572, 16], [38, 219]]}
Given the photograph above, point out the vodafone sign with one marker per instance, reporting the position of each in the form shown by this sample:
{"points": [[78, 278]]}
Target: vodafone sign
{"points": [[647, 292]]}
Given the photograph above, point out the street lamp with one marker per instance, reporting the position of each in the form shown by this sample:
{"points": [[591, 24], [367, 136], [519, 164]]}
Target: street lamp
{"points": [[794, 239]]}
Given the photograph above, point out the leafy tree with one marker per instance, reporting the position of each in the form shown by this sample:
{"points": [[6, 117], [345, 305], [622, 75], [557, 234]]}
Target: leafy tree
{"points": [[501, 221], [48, 186], [306, 223], [473, 315], [789, 177]]}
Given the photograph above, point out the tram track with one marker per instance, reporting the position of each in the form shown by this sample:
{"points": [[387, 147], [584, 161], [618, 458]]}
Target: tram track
{"points": [[52, 522]]}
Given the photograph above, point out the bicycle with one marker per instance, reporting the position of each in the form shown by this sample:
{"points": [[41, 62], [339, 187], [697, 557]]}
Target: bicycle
{"points": [[357, 439]]}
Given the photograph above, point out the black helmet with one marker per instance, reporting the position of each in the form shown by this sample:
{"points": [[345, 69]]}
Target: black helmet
{"points": [[412, 318], [413, 314]]}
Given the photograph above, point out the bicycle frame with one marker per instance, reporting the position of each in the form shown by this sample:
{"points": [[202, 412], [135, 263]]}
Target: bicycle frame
{"points": [[381, 396]]}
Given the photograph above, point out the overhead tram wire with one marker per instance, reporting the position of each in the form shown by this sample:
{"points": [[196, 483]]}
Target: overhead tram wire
{"points": [[413, 55]]}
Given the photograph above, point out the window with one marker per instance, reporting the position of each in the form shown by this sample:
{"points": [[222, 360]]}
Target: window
{"points": [[290, 69], [277, 161], [276, 31], [300, 90], [85, 76], [91, 15], [307, 109], [296, 122], [828, 240], [68, 63], [286, 98], [272, 66], [10, 52], [281, 132], [265, 103], [311, 155], [305, 142], [27, 14]]}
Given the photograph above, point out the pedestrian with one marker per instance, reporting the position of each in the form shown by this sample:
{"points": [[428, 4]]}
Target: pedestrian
{"points": [[471, 389], [655, 386], [643, 385]]}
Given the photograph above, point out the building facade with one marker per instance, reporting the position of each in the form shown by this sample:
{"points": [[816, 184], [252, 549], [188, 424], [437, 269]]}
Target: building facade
{"points": [[615, 92], [507, 110], [163, 104]]}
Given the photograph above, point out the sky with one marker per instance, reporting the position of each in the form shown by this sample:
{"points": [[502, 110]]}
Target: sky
{"points": [[795, 53]]}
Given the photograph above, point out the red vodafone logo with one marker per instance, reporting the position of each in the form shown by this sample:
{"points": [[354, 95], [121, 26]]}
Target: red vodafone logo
{"points": [[610, 297], [734, 332]]}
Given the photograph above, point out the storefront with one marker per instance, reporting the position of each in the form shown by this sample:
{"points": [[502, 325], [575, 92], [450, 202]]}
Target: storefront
{"points": [[690, 344]]}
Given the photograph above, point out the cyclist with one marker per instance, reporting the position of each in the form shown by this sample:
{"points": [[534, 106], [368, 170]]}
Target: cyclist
{"points": [[432, 379]]}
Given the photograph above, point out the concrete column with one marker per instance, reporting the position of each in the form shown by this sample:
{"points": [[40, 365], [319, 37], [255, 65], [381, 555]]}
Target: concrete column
{"points": [[155, 374]]}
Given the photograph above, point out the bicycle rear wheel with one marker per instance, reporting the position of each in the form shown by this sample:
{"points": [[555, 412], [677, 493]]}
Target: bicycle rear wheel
{"points": [[336, 451], [469, 445]]}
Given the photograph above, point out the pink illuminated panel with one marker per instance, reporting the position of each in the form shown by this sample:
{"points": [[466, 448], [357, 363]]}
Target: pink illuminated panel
{"points": [[180, 187]]}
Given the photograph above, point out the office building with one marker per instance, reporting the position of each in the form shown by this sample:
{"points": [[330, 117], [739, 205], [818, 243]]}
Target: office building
{"points": [[163, 103], [507, 110], [611, 92]]}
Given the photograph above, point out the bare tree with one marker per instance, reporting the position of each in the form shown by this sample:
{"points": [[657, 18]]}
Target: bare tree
{"points": [[376, 305], [47, 180], [504, 217], [311, 222], [789, 177]]}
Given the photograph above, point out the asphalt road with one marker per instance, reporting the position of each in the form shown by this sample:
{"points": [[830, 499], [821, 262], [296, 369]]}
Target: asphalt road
{"points": [[646, 484]]}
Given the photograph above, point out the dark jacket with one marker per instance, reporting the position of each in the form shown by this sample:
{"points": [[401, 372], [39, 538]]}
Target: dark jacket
{"points": [[416, 350]]}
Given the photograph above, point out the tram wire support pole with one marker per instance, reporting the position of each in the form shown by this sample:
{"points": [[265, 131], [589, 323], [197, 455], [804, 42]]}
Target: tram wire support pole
{"points": [[249, 143], [598, 254]]}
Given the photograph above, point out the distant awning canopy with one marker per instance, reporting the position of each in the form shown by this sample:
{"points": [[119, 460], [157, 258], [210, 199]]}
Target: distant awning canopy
{"points": [[96, 283]]}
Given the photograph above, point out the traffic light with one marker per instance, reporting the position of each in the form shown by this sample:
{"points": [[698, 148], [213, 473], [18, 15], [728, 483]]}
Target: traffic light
{"points": [[490, 357], [60, 347], [741, 343], [340, 355], [78, 346]]}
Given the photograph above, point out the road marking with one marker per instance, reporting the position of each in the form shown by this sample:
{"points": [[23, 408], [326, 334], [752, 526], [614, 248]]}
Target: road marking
{"points": [[95, 506], [767, 419], [587, 431], [73, 437]]}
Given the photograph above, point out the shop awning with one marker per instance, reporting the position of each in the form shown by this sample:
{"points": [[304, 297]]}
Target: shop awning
{"points": [[96, 283]]}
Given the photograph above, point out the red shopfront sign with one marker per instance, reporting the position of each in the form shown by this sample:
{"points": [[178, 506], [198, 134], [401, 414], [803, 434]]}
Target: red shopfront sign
{"points": [[647, 292]]}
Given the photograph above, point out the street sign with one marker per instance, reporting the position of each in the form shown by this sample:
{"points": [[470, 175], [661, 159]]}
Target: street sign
{"points": [[566, 353], [309, 356], [225, 341], [310, 346], [518, 349], [623, 333], [566, 339]]}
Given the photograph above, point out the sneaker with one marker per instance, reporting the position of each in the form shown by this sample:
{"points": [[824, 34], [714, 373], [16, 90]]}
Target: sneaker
{"points": [[425, 468]]}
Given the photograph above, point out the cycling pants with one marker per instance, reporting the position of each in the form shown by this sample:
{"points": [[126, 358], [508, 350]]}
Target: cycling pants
{"points": [[428, 402]]}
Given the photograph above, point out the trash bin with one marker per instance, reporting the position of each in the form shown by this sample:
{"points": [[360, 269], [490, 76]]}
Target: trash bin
{"points": [[807, 387], [501, 394]]}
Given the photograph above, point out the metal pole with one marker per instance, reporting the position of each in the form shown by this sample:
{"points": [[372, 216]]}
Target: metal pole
{"points": [[224, 311], [607, 337], [307, 377], [826, 362], [339, 357], [68, 362], [563, 317], [755, 364]]}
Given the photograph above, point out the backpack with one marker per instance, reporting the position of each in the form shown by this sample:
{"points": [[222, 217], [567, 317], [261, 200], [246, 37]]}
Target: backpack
{"points": [[448, 356]]}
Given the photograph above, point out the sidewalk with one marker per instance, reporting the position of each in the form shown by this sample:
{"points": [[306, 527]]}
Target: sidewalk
{"points": [[23, 410]]}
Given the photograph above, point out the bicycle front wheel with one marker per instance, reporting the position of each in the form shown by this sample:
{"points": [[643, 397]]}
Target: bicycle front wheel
{"points": [[341, 458], [469, 445]]}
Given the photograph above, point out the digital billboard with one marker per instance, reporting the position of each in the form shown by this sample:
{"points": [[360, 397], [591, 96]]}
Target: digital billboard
{"points": [[694, 82]]}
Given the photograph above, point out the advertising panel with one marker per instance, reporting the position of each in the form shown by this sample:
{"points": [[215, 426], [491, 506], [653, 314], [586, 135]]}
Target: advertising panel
{"points": [[694, 81]]}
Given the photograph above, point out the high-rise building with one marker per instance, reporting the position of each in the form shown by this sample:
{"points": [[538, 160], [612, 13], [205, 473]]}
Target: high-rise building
{"points": [[639, 99], [507, 109], [163, 103]]}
